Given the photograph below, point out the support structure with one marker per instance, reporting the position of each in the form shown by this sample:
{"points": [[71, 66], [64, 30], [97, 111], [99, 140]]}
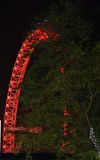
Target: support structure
{"points": [[19, 69], [36, 129]]}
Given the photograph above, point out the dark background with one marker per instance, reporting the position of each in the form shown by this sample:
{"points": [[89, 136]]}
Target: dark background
{"points": [[16, 19]]}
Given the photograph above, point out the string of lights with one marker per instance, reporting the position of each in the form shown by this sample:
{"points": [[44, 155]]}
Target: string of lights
{"points": [[65, 126], [92, 137]]}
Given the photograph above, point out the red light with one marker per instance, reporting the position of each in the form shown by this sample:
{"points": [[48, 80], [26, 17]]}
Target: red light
{"points": [[4, 146], [15, 68], [66, 112], [65, 125], [19, 55], [65, 133], [38, 31], [72, 131], [68, 142], [9, 89], [6, 113], [5, 121], [11, 82], [62, 70]]}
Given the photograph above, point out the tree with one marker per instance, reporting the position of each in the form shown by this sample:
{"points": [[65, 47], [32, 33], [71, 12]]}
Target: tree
{"points": [[46, 91]]}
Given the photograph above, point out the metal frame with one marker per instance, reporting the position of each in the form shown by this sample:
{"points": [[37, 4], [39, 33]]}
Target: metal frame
{"points": [[19, 69]]}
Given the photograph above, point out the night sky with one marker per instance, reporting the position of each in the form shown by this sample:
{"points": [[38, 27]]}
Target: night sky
{"points": [[16, 19]]}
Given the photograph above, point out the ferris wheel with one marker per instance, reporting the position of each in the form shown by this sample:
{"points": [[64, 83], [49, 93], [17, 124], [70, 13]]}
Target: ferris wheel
{"points": [[14, 89]]}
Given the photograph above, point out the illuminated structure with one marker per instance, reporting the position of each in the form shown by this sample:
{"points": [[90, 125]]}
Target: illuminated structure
{"points": [[19, 69], [65, 127], [35, 129]]}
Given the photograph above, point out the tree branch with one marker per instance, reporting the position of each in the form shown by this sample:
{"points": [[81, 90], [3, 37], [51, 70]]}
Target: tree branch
{"points": [[90, 104]]}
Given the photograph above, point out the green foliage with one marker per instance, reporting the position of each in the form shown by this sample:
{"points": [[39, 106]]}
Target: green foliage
{"points": [[28, 156], [46, 91], [70, 22]]}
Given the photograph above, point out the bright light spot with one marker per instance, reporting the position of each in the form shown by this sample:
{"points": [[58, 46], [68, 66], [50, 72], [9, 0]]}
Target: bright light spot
{"points": [[5, 121], [6, 113]]}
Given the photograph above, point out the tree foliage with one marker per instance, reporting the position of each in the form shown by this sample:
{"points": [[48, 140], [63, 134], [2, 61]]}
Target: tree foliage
{"points": [[46, 91]]}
